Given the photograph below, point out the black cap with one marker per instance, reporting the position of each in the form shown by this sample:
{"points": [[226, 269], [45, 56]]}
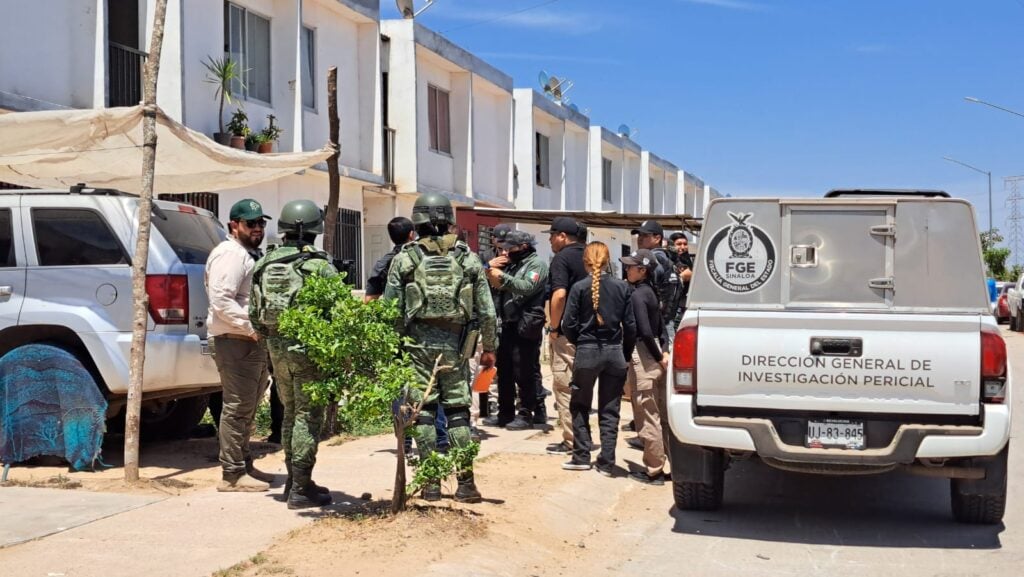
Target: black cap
{"points": [[500, 230], [566, 224], [649, 227], [640, 257], [516, 238]]}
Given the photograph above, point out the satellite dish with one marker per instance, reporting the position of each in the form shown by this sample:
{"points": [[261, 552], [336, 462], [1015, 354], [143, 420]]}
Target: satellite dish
{"points": [[542, 79], [574, 108], [624, 130], [408, 9]]}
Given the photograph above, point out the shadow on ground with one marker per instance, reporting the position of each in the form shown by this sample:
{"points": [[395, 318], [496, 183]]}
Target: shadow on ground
{"points": [[892, 510]]}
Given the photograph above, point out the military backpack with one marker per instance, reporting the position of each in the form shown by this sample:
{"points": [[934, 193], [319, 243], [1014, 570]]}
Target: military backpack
{"points": [[276, 281], [438, 289]]}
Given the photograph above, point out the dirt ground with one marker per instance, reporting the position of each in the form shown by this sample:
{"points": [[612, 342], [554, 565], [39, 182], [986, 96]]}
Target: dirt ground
{"points": [[515, 531], [171, 467]]}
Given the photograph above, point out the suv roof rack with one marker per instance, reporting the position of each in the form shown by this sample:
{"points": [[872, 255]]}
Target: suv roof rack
{"points": [[79, 188], [841, 192]]}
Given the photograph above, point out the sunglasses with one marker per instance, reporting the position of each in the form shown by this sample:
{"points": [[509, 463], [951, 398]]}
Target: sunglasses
{"points": [[258, 223]]}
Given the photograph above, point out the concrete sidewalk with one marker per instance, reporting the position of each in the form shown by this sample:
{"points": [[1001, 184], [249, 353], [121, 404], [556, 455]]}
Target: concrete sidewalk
{"points": [[197, 533]]}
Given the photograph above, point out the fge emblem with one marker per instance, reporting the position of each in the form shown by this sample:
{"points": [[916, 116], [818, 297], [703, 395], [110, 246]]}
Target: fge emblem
{"points": [[745, 261]]}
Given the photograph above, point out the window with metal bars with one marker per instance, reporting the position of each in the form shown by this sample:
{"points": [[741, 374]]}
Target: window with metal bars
{"points": [[348, 245]]}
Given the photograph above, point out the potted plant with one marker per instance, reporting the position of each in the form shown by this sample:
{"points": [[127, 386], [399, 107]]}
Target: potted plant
{"points": [[269, 135], [223, 73], [252, 141], [238, 128]]}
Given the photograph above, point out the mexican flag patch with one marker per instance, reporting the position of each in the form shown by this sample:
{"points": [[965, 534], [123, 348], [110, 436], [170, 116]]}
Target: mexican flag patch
{"points": [[534, 276]]}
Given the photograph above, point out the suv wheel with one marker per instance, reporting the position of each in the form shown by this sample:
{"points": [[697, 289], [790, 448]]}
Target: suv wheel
{"points": [[981, 502], [173, 419]]}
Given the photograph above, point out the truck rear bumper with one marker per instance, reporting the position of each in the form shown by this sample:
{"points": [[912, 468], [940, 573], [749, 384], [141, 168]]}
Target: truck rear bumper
{"points": [[173, 361], [911, 442]]}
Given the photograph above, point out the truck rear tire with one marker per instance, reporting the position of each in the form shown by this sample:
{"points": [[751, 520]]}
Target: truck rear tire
{"points": [[695, 496], [981, 502]]}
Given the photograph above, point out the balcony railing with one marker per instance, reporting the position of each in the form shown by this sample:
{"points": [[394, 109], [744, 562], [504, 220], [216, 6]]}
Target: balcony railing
{"points": [[389, 156], [124, 75]]}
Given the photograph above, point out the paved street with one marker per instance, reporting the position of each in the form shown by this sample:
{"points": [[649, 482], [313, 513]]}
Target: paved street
{"points": [[776, 523]]}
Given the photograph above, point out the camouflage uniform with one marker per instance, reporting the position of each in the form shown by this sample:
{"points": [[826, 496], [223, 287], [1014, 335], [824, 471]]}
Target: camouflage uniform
{"points": [[300, 431], [442, 337]]}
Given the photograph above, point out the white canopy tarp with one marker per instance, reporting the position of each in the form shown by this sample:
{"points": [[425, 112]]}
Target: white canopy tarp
{"points": [[103, 148]]}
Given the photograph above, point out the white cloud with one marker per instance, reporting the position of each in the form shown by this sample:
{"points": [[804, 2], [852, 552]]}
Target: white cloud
{"points": [[728, 4], [566, 22]]}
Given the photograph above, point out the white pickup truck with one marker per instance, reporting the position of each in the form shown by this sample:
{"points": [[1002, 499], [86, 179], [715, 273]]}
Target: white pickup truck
{"points": [[844, 335]]}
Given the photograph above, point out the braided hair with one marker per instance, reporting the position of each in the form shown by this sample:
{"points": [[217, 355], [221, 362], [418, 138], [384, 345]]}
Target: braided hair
{"points": [[595, 259]]}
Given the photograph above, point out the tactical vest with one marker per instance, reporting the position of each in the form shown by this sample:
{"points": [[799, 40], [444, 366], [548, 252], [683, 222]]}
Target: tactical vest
{"points": [[438, 289], [276, 280], [668, 284]]}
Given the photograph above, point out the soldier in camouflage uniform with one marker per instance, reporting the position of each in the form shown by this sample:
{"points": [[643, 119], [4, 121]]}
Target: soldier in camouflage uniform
{"points": [[442, 294], [276, 279]]}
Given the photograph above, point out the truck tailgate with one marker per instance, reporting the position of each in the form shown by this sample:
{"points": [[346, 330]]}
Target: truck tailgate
{"points": [[849, 362]]}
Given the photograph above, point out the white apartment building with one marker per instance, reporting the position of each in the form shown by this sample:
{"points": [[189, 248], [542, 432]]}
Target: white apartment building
{"points": [[660, 181], [94, 51]]}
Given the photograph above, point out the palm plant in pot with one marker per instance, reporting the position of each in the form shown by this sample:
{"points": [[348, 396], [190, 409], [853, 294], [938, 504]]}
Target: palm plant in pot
{"points": [[238, 128], [269, 135], [225, 75]]}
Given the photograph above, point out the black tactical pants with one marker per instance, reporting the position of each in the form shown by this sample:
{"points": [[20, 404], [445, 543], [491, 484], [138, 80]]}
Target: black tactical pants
{"points": [[518, 369]]}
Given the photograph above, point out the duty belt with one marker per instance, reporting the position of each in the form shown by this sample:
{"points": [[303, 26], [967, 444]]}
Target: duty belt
{"points": [[445, 325]]}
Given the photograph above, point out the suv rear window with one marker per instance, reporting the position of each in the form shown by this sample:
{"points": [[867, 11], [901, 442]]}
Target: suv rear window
{"points": [[75, 237], [192, 236], [6, 240]]}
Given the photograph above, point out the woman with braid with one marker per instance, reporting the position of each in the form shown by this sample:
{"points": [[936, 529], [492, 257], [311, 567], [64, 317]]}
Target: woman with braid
{"points": [[599, 321]]}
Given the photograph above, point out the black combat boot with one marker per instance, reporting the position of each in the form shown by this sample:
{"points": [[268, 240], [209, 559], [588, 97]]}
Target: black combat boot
{"points": [[432, 492], [467, 491], [288, 483], [304, 493]]}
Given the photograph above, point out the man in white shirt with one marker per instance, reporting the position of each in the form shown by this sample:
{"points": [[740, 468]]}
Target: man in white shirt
{"points": [[240, 356]]}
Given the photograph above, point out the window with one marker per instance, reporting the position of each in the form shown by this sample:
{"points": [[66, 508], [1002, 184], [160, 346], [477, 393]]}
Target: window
{"points": [[308, 66], [206, 200], [348, 245], [606, 180], [437, 113], [191, 236], [247, 42], [650, 194], [541, 161], [75, 237], [6, 240]]}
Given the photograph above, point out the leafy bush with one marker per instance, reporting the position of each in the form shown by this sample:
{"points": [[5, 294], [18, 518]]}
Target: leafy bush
{"points": [[354, 344]]}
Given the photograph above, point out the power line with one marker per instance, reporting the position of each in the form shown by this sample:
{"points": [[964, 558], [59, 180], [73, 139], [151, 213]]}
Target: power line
{"points": [[503, 16]]}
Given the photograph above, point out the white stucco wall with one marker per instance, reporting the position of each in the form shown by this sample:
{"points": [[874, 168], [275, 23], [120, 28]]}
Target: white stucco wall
{"points": [[492, 154], [631, 183], [61, 71], [576, 168]]}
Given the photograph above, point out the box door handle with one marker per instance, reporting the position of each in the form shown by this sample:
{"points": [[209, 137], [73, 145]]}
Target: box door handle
{"points": [[837, 346], [6, 291], [884, 230], [884, 283]]}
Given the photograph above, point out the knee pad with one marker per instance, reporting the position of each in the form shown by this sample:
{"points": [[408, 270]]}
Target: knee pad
{"points": [[458, 418]]}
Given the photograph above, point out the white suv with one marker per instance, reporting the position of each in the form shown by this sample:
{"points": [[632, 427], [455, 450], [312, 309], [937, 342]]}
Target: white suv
{"points": [[66, 279], [849, 335]]}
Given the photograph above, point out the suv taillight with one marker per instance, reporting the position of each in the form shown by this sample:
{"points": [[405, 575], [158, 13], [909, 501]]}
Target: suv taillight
{"points": [[684, 360], [168, 298], [993, 367]]}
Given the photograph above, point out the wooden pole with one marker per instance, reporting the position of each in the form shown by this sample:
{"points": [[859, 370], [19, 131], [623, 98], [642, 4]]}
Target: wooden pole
{"points": [[331, 218], [140, 317], [333, 177]]}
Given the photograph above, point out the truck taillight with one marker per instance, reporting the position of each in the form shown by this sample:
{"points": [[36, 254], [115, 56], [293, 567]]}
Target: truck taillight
{"points": [[168, 298], [993, 367], [684, 360]]}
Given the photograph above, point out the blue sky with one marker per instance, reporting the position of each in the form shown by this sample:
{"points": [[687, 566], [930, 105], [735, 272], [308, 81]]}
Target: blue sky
{"points": [[780, 97]]}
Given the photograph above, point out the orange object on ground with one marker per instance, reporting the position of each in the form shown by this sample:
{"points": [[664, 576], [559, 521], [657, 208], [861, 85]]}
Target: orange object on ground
{"points": [[483, 381]]}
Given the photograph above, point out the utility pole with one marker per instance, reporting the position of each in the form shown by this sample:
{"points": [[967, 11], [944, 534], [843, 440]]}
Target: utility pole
{"points": [[1013, 184], [140, 261]]}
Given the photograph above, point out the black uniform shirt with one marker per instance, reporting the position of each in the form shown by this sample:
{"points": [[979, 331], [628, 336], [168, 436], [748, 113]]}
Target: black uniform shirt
{"points": [[579, 324], [649, 327], [567, 268], [379, 276]]}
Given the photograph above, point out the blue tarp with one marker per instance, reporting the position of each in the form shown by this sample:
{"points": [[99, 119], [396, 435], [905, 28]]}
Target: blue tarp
{"points": [[49, 405]]}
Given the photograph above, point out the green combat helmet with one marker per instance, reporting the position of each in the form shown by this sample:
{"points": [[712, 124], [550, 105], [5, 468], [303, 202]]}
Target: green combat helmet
{"points": [[434, 209], [302, 217]]}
